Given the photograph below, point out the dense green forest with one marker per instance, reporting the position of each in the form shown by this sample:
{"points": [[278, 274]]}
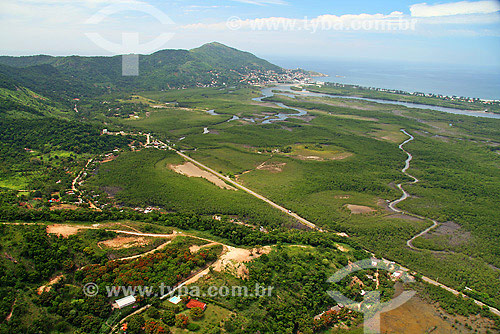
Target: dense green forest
{"points": [[71, 77]]}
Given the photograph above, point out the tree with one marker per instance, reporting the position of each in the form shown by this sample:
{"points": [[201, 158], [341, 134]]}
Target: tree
{"points": [[169, 317], [153, 312], [181, 321], [135, 324], [196, 313]]}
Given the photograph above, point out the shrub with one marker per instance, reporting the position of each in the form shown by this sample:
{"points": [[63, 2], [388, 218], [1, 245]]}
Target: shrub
{"points": [[193, 327]]}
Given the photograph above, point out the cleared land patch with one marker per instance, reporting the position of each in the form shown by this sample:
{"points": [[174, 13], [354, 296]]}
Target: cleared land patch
{"points": [[64, 207], [48, 286], [124, 242], [389, 133], [359, 209], [63, 230], [272, 166], [419, 316], [233, 260], [191, 170], [317, 152]]}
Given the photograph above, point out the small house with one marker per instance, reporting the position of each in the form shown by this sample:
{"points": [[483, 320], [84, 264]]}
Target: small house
{"points": [[192, 303]]}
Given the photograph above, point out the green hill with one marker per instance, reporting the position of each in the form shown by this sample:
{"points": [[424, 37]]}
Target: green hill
{"points": [[221, 56], [75, 76]]}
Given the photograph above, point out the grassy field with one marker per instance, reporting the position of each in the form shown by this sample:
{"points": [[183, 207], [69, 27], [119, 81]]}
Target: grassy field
{"points": [[175, 121], [214, 316]]}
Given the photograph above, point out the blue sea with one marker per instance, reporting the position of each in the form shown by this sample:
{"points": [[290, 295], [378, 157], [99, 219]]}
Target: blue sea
{"points": [[478, 81]]}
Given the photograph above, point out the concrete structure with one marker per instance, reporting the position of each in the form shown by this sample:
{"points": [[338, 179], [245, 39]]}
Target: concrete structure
{"points": [[175, 300], [124, 302]]}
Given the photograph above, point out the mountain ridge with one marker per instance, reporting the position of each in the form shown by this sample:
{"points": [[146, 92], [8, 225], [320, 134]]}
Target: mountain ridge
{"points": [[210, 65]]}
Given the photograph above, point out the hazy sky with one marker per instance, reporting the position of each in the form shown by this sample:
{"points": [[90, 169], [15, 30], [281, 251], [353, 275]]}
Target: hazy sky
{"points": [[465, 32]]}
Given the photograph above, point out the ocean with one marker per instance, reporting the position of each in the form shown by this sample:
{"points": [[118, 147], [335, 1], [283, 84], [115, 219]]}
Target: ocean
{"points": [[470, 81]]}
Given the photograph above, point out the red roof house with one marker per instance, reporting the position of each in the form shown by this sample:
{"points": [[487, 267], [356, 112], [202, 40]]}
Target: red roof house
{"points": [[192, 303]]}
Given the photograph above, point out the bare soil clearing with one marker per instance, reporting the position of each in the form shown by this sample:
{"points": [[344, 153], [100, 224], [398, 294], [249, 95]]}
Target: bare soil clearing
{"points": [[48, 286], [359, 209], [233, 260], [121, 242], [191, 170], [339, 156], [419, 316], [453, 233], [342, 248], [275, 167], [64, 230], [64, 207], [195, 248]]}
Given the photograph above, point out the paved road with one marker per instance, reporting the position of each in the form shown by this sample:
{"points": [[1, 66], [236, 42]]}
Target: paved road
{"points": [[251, 192]]}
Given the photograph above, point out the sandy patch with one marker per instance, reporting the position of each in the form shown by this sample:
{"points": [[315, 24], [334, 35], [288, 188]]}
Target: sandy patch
{"points": [[309, 157], [233, 260], [195, 248], [48, 286], [191, 170], [340, 156], [359, 209], [275, 167], [108, 159], [342, 248], [63, 230], [124, 242], [64, 207], [392, 136]]}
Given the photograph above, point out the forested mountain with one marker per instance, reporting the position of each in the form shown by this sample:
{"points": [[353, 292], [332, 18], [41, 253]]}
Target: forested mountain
{"points": [[221, 56], [211, 64]]}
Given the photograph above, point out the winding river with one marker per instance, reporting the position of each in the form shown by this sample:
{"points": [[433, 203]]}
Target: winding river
{"points": [[405, 195], [285, 90], [268, 92]]}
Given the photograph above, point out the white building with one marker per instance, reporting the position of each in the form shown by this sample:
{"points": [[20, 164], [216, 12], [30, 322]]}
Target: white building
{"points": [[124, 302]]}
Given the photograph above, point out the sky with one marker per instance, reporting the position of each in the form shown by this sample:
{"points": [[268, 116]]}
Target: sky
{"points": [[444, 32]]}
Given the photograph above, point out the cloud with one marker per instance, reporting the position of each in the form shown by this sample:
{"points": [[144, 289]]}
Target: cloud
{"points": [[263, 2], [455, 8], [349, 22]]}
